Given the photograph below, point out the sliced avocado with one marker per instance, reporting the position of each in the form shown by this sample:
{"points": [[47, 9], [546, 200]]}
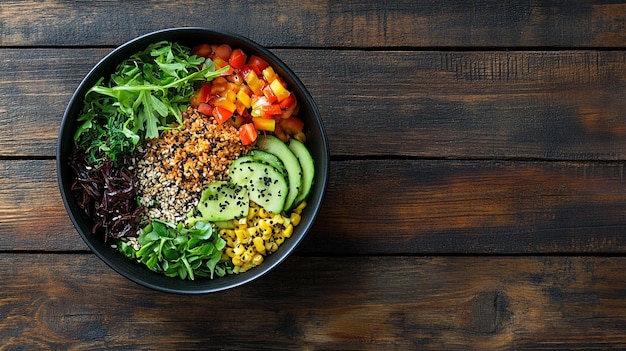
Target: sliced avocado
{"points": [[266, 186], [270, 159], [222, 201], [308, 169], [275, 146]]}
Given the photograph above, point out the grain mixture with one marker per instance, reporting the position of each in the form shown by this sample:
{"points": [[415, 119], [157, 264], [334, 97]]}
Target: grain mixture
{"points": [[173, 169]]}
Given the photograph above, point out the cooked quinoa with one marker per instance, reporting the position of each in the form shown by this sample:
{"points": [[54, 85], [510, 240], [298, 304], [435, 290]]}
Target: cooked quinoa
{"points": [[173, 169]]}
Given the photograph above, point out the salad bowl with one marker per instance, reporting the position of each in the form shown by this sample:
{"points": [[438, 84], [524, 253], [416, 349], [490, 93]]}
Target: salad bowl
{"points": [[316, 143]]}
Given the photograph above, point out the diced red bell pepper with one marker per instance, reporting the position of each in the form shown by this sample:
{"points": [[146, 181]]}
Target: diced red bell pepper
{"points": [[221, 114], [247, 133], [202, 95], [257, 64], [237, 58], [269, 94], [272, 110], [287, 102]]}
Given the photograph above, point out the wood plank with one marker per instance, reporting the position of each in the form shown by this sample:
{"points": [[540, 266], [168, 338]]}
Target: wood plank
{"points": [[73, 301], [536, 105], [468, 207], [350, 23]]}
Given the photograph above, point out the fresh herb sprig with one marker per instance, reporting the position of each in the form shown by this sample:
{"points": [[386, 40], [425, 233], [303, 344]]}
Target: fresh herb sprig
{"points": [[147, 93], [178, 251]]}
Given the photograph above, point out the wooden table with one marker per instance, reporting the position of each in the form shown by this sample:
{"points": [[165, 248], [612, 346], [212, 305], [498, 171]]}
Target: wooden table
{"points": [[476, 197]]}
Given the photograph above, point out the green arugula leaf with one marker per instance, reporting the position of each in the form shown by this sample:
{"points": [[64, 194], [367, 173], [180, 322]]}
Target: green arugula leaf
{"points": [[147, 93]]}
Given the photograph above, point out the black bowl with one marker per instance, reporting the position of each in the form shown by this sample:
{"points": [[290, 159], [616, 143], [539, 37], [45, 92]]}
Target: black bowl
{"points": [[316, 142]]}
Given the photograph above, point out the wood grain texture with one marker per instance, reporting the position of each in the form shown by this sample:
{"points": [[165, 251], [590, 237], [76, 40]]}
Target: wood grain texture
{"points": [[75, 302], [377, 207], [532, 105], [312, 23]]}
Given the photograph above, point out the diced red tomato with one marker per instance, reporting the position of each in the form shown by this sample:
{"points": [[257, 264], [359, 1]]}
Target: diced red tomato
{"points": [[237, 58], [201, 96], [202, 50], [257, 64], [221, 114], [287, 102], [250, 96], [247, 133], [205, 109], [264, 124], [223, 51], [292, 125]]}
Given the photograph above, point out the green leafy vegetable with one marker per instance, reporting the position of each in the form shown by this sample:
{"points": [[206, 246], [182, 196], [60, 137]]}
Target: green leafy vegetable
{"points": [[177, 251], [146, 94]]}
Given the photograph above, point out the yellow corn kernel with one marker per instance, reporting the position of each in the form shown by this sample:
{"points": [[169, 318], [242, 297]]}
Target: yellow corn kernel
{"points": [[230, 233], [288, 231], [246, 257], [241, 234], [300, 207], [264, 224], [237, 261], [259, 244], [229, 252], [252, 212], [239, 250], [230, 242], [295, 218], [251, 232], [245, 267], [257, 259], [262, 213], [272, 247], [279, 239], [278, 219]]}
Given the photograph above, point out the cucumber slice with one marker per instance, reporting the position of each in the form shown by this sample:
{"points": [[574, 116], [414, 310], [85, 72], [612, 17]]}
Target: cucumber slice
{"points": [[270, 159], [222, 201], [266, 186], [308, 169], [239, 160], [275, 146]]}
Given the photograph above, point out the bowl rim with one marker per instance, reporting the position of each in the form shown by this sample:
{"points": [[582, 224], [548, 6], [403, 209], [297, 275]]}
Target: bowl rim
{"points": [[188, 287]]}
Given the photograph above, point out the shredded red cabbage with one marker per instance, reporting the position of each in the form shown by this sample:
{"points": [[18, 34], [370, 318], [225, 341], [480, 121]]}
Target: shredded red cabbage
{"points": [[107, 194]]}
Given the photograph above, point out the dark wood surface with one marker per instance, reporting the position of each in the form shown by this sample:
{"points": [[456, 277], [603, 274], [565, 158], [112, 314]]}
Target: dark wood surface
{"points": [[477, 195]]}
